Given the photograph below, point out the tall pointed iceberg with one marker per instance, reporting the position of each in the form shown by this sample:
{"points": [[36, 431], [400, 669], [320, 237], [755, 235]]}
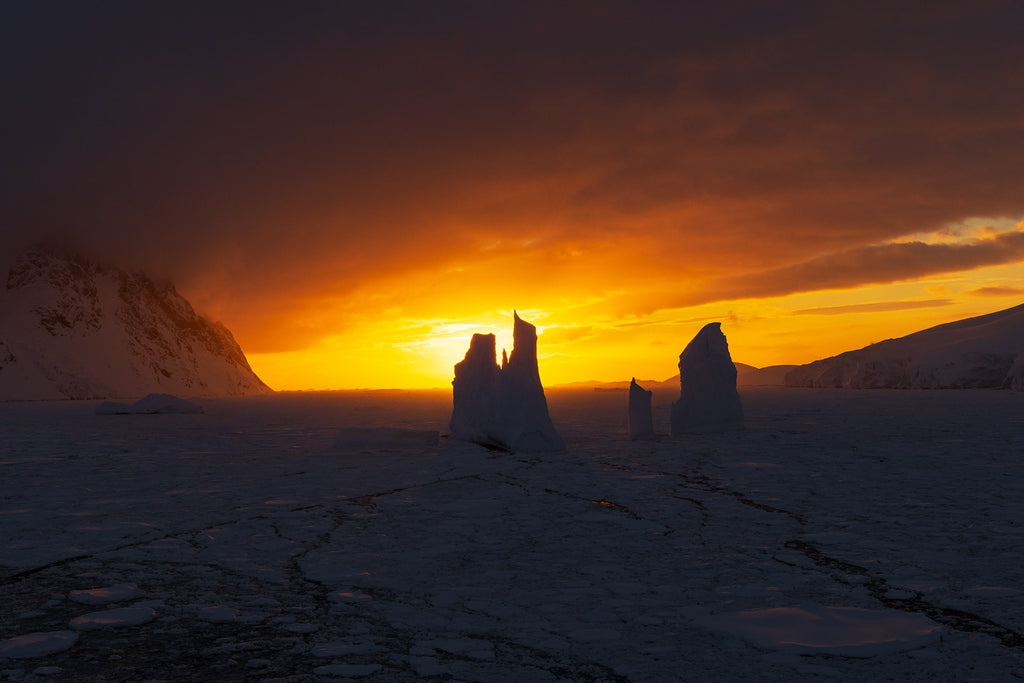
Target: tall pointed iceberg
{"points": [[503, 407], [641, 419], [708, 400]]}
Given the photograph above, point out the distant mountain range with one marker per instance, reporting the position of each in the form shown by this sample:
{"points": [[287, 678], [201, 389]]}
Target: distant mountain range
{"points": [[72, 329], [974, 353], [746, 376]]}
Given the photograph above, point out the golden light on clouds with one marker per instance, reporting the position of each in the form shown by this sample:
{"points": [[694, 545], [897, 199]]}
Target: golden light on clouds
{"points": [[412, 330]]}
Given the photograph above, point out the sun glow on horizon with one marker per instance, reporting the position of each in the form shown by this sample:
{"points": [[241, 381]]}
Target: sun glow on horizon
{"points": [[588, 330], [788, 330]]}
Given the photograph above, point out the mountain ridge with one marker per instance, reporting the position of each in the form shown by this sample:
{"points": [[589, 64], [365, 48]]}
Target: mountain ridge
{"points": [[74, 329], [985, 351]]}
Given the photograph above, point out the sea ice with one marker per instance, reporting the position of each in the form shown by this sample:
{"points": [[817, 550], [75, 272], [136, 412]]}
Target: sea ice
{"points": [[602, 563], [111, 618], [150, 405], [641, 420], [708, 400], [103, 596], [37, 644], [503, 407], [218, 614], [384, 439], [849, 631]]}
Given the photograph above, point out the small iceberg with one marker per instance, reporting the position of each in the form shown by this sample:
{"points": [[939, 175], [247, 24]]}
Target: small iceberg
{"points": [[152, 404]]}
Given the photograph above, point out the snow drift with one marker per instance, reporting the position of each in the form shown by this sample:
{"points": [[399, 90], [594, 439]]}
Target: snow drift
{"points": [[986, 352], [72, 329]]}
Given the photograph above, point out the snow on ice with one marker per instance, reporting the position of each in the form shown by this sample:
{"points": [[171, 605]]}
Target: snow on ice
{"points": [[842, 535]]}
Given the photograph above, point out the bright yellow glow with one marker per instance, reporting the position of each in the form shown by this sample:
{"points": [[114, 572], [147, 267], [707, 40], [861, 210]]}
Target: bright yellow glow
{"points": [[600, 322]]}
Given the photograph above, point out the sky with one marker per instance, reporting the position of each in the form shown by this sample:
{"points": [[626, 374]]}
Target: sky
{"points": [[354, 189]]}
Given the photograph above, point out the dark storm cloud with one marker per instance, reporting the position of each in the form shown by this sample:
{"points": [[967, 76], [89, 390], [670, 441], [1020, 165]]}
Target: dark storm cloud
{"points": [[264, 149]]}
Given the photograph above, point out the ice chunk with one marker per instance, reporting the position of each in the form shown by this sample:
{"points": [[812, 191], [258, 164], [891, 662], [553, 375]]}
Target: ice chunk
{"points": [[113, 618], [849, 631], [708, 400], [37, 644], [641, 421], [108, 594], [150, 405], [503, 407]]}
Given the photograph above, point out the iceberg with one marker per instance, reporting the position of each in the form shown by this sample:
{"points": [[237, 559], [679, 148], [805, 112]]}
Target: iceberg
{"points": [[708, 400], [503, 407], [641, 421], [153, 404]]}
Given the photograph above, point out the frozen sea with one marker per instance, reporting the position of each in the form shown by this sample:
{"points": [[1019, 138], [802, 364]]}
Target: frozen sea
{"points": [[842, 536]]}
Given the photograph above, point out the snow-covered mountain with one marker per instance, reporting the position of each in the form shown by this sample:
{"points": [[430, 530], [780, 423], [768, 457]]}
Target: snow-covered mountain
{"points": [[72, 329], [974, 353]]}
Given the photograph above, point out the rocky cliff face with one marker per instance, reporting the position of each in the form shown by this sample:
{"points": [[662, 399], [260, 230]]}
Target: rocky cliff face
{"points": [[72, 329], [986, 352]]}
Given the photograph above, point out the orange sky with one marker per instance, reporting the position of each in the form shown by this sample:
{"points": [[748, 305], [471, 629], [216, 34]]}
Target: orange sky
{"points": [[409, 330], [355, 190]]}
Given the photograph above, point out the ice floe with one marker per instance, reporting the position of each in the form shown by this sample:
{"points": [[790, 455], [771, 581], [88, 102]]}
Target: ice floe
{"points": [[153, 404]]}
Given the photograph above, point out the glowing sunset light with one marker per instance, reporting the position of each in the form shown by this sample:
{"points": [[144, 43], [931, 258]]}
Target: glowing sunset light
{"points": [[355, 191], [415, 352]]}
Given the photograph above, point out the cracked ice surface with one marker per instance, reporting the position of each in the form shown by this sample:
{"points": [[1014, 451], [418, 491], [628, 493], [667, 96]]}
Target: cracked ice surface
{"points": [[241, 544]]}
